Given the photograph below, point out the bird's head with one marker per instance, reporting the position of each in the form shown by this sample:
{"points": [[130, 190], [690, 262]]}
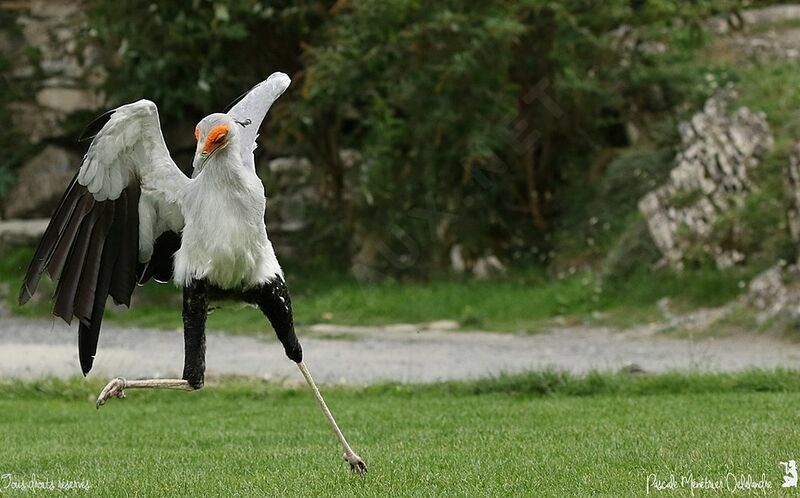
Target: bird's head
{"points": [[215, 134]]}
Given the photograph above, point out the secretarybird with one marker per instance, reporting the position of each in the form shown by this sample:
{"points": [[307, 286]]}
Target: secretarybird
{"points": [[130, 208]]}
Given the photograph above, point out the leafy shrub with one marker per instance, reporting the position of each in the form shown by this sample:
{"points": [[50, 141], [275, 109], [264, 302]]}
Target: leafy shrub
{"points": [[630, 176]]}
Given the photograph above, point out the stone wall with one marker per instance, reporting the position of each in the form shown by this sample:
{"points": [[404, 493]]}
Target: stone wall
{"points": [[58, 66], [719, 148], [56, 56]]}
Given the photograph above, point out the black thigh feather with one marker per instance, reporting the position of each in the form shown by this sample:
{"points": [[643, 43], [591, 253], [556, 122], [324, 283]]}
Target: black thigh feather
{"points": [[272, 298]]}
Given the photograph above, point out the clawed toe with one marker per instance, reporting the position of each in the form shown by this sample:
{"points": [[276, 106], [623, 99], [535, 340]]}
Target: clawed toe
{"points": [[357, 465], [115, 388]]}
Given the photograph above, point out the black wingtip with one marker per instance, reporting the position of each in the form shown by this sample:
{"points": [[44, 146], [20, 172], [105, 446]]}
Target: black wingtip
{"points": [[95, 126], [86, 363], [86, 366], [24, 294]]}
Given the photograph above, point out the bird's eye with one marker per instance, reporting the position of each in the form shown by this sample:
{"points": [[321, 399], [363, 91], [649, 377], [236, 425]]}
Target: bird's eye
{"points": [[197, 133], [217, 136]]}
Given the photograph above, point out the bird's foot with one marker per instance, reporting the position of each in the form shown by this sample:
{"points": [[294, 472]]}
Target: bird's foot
{"points": [[357, 465], [114, 389]]}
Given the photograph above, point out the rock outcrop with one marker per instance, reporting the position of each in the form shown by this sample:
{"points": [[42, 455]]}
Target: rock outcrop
{"points": [[289, 193], [775, 296], [793, 191], [758, 17], [711, 176], [768, 292]]}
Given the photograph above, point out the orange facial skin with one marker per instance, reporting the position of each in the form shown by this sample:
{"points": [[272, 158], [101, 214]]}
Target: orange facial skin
{"points": [[215, 139]]}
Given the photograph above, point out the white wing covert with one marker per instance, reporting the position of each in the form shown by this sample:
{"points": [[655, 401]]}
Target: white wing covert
{"points": [[129, 147]]}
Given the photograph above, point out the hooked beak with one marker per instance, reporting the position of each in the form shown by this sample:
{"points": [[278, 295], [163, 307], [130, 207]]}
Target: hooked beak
{"points": [[202, 158]]}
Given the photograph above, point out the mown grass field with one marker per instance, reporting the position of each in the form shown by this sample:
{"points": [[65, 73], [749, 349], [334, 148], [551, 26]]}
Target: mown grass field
{"points": [[532, 435]]}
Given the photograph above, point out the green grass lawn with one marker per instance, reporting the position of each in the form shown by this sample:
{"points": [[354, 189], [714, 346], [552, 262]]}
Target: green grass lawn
{"points": [[531, 435], [520, 301]]}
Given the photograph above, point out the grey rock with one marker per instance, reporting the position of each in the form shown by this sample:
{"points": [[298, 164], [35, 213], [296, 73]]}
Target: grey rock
{"points": [[488, 266], [18, 232], [767, 292], [41, 183], [775, 294], [793, 189], [58, 9], [5, 290], [755, 17], [481, 267], [350, 158], [23, 72], [289, 165], [67, 67], [68, 100], [34, 31], [289, 193], [769, 46], [35, 122]]}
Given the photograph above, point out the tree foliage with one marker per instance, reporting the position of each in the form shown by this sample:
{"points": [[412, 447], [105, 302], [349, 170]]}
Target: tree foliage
{"points": [[466, 112], [196, 54]]}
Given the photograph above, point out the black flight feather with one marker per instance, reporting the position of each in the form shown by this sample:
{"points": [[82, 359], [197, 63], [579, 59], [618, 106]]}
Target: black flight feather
{"points": [[49, 240], [84, 297], [58, 258], [93, 128], [67, 286]]}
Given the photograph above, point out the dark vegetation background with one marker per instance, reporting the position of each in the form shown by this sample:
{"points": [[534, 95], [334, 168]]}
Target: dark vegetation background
{"points": [[526, 131]]}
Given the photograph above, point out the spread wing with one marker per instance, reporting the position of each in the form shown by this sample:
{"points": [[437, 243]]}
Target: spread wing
{"points": [[126, 193], [251, 108]]}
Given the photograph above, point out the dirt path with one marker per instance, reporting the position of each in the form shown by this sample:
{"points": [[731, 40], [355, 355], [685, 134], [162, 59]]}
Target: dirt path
{"points": [[357, 355]]}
